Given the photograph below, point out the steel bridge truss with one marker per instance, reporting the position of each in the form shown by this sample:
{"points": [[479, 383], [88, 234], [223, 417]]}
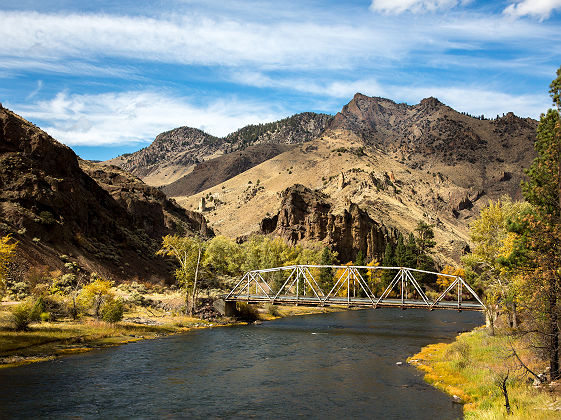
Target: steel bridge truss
{"points": [[301, 288]]}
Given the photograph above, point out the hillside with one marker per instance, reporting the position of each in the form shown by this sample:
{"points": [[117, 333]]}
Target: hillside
{"points": [[62, 210], [398, 163], [175, 153], [214, 171]]}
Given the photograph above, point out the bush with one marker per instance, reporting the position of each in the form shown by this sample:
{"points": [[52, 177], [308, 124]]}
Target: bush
{"points": [[113, 311], [272, 309], [45, 316], [25, 313], [246, 312]]}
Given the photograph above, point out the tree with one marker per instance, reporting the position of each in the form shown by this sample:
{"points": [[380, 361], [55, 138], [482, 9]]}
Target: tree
{"points": [[410, 258], [7, 254], [537, 251], [425, 243], [388, 261], [188, 251], [96, 294], [326, 273], [223, 256], [492, 241], [400, 251]]}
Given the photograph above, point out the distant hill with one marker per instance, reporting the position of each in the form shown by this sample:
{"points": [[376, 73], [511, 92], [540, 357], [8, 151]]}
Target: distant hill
{"points": [[99, 217], [176, 152], [397, 163]]}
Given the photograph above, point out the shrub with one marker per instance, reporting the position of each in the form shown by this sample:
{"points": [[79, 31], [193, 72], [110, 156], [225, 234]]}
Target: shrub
{"points": [[272, 309], [113, 311], [25, 313], [246, 312], [17, 290], [45, 316]]}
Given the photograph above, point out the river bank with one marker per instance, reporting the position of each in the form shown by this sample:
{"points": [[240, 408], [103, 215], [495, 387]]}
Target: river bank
{"points": [[50, 340], [472, 367]]}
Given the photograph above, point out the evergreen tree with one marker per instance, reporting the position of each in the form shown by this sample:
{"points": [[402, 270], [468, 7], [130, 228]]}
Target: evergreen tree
{"points": [[411, 252], [539, 248], [326, 273], [388, 261], [400, 251], [425, 243]]}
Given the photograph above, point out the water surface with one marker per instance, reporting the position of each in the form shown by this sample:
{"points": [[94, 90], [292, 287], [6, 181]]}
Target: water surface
{"points": [[332, 366]]}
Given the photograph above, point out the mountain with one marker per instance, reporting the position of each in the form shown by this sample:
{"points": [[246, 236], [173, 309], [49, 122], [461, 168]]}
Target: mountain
{"points": [[61, 209], [215, 171], [177, 152], [398, 163]]}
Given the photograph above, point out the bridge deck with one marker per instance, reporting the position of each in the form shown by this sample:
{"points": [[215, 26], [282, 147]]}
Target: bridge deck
{"points": [[356, 302]]}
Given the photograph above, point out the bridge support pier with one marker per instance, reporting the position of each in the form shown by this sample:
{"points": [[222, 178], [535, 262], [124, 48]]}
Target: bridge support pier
{"points": [[225, 308]]}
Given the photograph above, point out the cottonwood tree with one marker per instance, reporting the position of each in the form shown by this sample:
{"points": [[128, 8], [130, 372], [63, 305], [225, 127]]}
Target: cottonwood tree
{"points": [[188, 251]]}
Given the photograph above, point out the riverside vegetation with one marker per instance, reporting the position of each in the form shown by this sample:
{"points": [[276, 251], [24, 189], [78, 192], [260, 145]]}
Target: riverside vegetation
{"points": [[511, 369]]}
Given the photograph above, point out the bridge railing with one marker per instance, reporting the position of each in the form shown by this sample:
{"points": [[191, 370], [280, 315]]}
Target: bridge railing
{"points": [[296, 284]]}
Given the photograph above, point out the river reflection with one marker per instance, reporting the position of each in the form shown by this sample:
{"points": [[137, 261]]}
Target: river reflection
{"points": [[338, 365]]}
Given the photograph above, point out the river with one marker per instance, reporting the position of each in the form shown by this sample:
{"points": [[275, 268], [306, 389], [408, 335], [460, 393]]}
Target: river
{"points": [[331, 366]]}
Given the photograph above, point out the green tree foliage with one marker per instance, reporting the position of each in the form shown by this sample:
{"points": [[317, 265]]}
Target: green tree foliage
{"points": [[388, 261], [410, 258], [326, 273], [400, 251], [425, 244], [222, 256], [113, 311], [7, 254], [537, 252]]}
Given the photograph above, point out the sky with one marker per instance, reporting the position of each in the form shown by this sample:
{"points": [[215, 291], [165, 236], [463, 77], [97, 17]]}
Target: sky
{"points": [[105, 77]]}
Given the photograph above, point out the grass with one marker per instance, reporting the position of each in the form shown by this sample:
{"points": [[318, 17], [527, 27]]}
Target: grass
{"points": [[48, 340], [470, 368]]}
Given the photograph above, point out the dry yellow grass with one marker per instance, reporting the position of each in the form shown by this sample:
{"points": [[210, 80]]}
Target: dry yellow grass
{"points": [[469, 368]]}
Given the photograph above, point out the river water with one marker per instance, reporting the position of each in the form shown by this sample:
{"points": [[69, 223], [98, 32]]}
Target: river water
{"points": [[332, 366]]}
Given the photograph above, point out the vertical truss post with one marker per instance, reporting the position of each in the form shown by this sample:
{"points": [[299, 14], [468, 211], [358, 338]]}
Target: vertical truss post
{"points": [[459, 296], [402, 288], [417, 287], [349, 275], [389, 288], [364, 286]]}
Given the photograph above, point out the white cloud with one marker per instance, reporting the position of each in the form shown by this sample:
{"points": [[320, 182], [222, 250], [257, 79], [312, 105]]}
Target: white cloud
{"points": [[477, 100], [189, 40], [78, 43], [472, 99], [133, 117], [414, 6], [538, 8]]}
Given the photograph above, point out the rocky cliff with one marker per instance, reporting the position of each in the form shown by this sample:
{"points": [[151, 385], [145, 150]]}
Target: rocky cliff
{"points": [[53, 208], [307, 215]]}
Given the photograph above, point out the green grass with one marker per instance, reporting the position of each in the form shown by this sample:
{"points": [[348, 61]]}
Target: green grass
{"points": [[470, 368]]}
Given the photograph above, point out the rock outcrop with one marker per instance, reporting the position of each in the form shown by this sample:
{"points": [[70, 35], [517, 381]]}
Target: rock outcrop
{"points": [[307, 215], [105, 220]]}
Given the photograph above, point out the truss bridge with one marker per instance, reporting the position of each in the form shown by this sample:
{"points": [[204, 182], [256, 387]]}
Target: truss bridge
{"points": [[299, 285]]}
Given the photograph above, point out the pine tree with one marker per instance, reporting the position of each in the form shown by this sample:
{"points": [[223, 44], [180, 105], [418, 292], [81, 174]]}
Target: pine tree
{"points": [[400, 251], [388, 261], [326, 273]]}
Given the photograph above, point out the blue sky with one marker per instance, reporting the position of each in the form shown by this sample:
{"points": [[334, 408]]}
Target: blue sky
{"points": [[105, 77]]}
